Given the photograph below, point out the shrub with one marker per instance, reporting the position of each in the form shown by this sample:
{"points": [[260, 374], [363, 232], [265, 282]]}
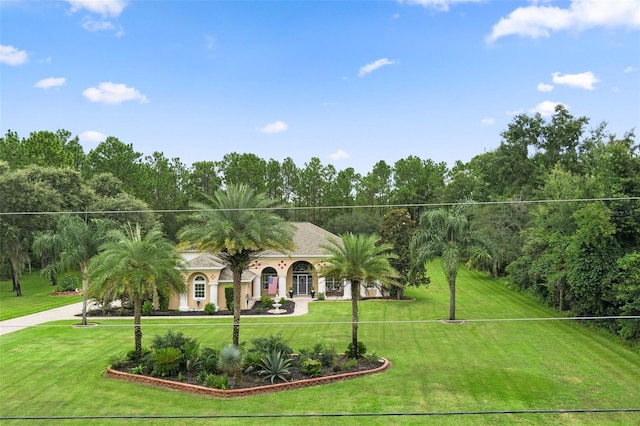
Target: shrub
{"points": [[228, 295], [265, 345], [166, 362], [209, 360], [351, 363], [191, 355], [321, 296], [312, 367], [362, 349], [67, 284], [209, 309], [171, 340], [147, 308], [267, 302], [118, 361], [372, 358], [230, 360], [215, 381], [252, 359], [139, 369], [275, 365]]}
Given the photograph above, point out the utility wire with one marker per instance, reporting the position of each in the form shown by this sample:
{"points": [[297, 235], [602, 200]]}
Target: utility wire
{"points": [[252, 324], [368, 206], [331, 415]]}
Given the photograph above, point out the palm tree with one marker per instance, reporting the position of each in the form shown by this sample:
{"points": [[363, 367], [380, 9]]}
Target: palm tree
{"points": [[76, 241], [446, 233], [237, 226], [138, 266], [359, 259]]}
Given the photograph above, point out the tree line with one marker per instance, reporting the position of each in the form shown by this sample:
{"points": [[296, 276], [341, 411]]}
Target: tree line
{"points": [[577, 256]]}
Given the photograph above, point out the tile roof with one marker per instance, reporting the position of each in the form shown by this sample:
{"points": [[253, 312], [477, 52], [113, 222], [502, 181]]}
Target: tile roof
{"points": [[227, 276], [205, 261]]}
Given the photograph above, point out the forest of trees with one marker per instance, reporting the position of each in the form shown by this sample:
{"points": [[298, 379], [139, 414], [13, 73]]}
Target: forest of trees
{"points": [[580, 256]]}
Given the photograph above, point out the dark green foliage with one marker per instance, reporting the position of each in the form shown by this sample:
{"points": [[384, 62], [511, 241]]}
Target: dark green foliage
{"points": [[68, 283], [321, 296], [171, 340], [356, 223], [209, 360], [228, 296], [272, 343], [324, 353], [216, 381], [267, 302], [275, 365], [166, 361], [210, 309], [362, 349], [311, 367], [147, 307]]}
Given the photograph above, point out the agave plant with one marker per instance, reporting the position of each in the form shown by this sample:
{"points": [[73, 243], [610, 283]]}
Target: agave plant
{"points": [[275, 365]]}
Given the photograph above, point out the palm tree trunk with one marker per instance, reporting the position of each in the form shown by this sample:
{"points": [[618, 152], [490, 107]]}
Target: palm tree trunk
{"points": [[355, 294], [137, 330], [237, 294], [452, 299], [85, 289]]}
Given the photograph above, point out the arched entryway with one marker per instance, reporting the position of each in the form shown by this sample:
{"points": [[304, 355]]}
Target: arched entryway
{"points": [[302, 278]]}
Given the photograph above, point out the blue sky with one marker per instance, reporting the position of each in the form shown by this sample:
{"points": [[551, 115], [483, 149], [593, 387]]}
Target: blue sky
{"points": [[349, 82]]}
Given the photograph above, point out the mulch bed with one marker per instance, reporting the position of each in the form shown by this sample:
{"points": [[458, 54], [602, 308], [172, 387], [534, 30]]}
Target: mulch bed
{"points": [[257, 309], [251, 384]]}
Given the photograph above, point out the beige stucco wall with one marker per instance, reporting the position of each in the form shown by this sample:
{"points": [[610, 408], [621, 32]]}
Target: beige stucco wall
{"points": [[282, 265]]}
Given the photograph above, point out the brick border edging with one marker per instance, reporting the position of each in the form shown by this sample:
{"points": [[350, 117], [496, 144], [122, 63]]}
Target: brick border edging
{"points": [[232, 393]]}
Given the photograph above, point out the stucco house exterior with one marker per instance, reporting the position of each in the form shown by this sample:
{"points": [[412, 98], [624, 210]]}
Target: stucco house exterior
{"points": [[206, 276]]}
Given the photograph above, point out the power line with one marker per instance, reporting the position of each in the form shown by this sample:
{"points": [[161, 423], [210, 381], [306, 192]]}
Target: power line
{"points": [[271, 323], [332, 415], [367, 206]]}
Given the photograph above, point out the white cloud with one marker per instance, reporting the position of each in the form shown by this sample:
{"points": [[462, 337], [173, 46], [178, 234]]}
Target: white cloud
{"points": [[47, 83], [12, 56], [630, 69], [514, 112], [583, 80], [540, 21], [92, 136], [114, 93], [103, 7], [546, 108], [487, 121], [94, 26], [275, 127], [46, 60], [442, 5], [374, 66], [545, 87], [339, 155]]}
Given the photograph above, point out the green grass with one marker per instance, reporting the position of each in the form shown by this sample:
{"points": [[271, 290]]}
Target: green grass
{"points": [[55, 370], [36, 296]]}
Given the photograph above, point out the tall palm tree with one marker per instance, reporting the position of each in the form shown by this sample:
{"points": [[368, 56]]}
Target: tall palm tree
{"points": [[359, 259], [76, 242], [237, 226], [138, 266], [446, 233]]}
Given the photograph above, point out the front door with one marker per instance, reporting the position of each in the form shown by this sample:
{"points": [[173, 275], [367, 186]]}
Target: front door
{"points": [[302, 279], [301, 284]]}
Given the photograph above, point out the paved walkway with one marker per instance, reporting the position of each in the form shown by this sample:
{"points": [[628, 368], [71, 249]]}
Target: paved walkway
{"points": [[71, 311]]}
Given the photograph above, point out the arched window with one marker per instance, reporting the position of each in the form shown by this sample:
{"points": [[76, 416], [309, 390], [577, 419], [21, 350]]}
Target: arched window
{"points": [[266, 274], [199, 286]]}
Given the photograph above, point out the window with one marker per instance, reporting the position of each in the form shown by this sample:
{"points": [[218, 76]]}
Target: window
{"points": [[266, 274], [333, 284], [199, 287]]}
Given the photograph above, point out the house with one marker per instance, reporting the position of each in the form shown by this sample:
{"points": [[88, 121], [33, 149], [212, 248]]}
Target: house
{"points": [[206, 276]]}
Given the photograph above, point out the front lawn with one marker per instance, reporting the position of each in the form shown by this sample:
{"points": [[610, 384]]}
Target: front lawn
{"points": [[437, 367], [36, 296]]}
